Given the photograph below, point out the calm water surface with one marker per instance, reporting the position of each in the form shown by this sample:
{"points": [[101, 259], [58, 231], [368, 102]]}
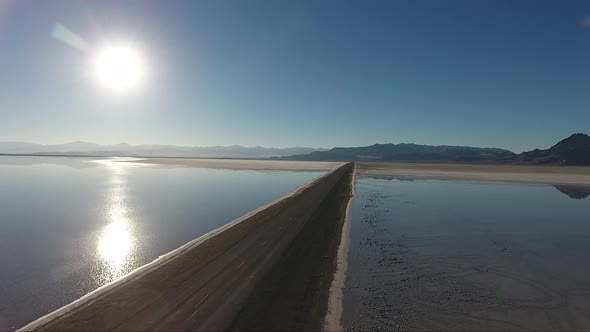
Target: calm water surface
{"points": [[70, 225], [446, 255]]}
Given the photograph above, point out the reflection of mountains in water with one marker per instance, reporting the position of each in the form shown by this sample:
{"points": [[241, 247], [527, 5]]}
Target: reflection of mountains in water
{"points": [[575, 192]]}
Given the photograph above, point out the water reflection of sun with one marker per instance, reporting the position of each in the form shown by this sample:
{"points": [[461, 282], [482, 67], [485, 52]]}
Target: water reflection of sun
{"points": [[115, 244], [115, 241]]}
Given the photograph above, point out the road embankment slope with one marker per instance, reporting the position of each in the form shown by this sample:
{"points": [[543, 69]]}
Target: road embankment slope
{"points": [[271, 269]]}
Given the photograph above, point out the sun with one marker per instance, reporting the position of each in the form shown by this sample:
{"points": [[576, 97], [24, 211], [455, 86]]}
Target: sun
{"points": [[119, 67]]}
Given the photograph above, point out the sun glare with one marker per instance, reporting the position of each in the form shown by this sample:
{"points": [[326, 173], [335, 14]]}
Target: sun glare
{"points": [[119, 68]]}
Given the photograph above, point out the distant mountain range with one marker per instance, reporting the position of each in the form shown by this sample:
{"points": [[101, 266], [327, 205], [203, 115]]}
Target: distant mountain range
{"points": [[124, 149], [574, 150], [407, 152]]}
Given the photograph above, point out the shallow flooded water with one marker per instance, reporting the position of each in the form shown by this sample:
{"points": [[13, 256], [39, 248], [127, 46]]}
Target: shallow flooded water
{"points": [[447, 255], [70, 225]]}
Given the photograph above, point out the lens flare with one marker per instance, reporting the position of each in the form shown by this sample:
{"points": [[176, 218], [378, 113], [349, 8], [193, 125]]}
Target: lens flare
{"points": [[68, 37]]}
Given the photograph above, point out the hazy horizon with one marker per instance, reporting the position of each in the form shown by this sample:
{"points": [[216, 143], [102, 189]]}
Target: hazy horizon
{"points": [[159, 144], [299, 74], [99, 145]]}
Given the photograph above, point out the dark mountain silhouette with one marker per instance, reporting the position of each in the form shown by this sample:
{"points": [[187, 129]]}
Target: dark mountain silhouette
{"points": [[408, 152], [574, 191], [574, 150]]}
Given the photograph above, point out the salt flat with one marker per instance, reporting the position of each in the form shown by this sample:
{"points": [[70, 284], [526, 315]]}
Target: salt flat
{"points": [[278, 165], [560, 175]]}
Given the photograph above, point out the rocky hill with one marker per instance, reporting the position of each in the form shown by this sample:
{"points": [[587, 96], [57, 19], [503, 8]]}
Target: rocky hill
{"points": [[574, 150]]}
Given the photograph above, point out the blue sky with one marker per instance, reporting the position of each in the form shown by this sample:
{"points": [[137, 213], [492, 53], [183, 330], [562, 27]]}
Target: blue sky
{"points": [[511, 74]]}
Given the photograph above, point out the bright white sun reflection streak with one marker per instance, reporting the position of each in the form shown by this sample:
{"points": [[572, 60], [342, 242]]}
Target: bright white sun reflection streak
{"points": [[116, 242]]}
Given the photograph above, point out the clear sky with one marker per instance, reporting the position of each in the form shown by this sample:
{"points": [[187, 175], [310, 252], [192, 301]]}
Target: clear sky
{"points": [[510, 74]]}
